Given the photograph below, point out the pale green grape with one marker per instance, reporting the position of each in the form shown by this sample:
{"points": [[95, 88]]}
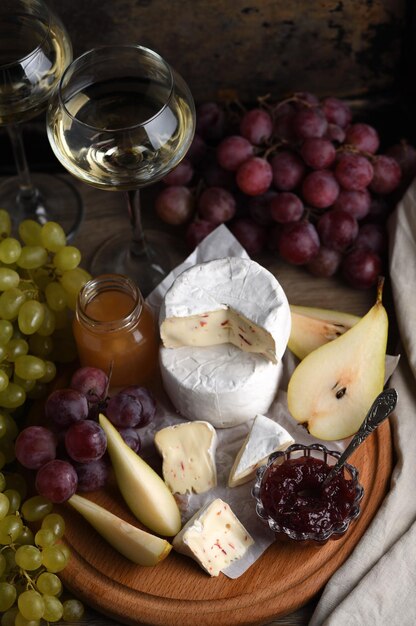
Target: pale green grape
{"points": [[53, 608], [36, 508], [8, 278], [22, 621], [31, 604], [67, 258], [42, 276], [56, 296], [8, 618], [12, 397], [4, 381], [50, 372], [53, 236], [40, 346], [9, 554], [27, 385], [10, 250], [30, 232], [30, 367], [6, 332], [28, 557], [26, 537], [49, 323], [10, 528], [73, 281], [73, 610], [49, 583], [4, 505], [10, 303], [7, 595], [31, 316], [45, 537], [54, 559], [17, 348], [56, 523], [32, 257], [14, 498], [5, 222]]}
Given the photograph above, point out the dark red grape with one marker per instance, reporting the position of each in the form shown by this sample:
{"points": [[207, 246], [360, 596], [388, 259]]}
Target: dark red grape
{"points": [[146, 399], [124, 410], [318, 153], [354, 171], [197, 231], [325, 263], [356, 203], [298, 242], [56, 481], [251, 235], [335, 133], [175, 205], [233, 151], [216, 176], [254, 176], [35, 446], [216, 205], [286, 207], [304, 100], [405, 155], [283, 127], [337, 229], [132, 438], [92, 476], [210, 121], [379, 209], [288, 170], [85, 441], [363, 137], [361, 268], [387, 175], [320, 189], [91, 382], [197, 151], [373, 237], [309, 123], [181, 175], [257, 126], [66, 406], [259, 208], [336, 111]]}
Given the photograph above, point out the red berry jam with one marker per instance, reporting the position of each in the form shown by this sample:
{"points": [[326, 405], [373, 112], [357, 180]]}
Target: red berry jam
{"points": [[291, 494]]}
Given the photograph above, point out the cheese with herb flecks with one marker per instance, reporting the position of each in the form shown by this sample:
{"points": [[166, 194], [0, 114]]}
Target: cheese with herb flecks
{"points": [[214, 537], [188, 452]]}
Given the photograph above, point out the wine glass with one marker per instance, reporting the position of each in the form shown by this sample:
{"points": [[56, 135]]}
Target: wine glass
{"points": [[121, 119], [34, 51]]}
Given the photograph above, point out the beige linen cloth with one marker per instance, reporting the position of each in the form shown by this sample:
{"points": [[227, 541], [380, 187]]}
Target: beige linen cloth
{"points": [[377, 584]]}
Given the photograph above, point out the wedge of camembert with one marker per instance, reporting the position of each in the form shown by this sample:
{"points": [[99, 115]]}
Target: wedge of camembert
{"points": [[229, 300], [214, 537], [188, 452], [266, 436]]}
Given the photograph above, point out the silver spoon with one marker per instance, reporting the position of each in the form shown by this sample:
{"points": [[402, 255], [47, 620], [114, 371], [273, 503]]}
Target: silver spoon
{"points": [[381, 408]]}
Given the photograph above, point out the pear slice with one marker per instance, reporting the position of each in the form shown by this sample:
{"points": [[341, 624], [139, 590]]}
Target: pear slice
{"points": [[313, 327], [332, 389], [144, 491], [135, 544]]}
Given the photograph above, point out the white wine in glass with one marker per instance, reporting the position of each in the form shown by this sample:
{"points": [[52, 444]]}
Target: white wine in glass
{"points": [[121, 119], [34, 51]]}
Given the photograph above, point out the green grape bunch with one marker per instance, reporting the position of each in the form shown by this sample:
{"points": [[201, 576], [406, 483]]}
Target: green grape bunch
{"points": [[40, 279], [30, 560]]}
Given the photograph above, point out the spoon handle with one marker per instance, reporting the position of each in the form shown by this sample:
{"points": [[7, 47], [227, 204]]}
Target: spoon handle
{"points": [[381, 408]]}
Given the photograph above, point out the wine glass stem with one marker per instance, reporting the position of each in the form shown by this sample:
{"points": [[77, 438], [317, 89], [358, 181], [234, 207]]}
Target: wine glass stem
{"points": [[27, 191], [138, 246]]}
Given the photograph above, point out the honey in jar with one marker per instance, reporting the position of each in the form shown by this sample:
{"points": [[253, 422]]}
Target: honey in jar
{"points": [[115, 330]]}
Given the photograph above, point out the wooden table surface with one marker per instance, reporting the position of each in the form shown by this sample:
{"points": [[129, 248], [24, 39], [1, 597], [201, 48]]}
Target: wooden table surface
{"points": [[105, 213]]}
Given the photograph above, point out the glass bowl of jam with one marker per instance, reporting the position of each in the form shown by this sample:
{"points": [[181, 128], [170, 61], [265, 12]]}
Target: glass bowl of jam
{"points": [[290, 499]]}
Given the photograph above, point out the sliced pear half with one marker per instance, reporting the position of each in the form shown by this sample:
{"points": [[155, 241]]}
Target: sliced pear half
{"points": [[333, 387], [135, 544], [313, 327]]}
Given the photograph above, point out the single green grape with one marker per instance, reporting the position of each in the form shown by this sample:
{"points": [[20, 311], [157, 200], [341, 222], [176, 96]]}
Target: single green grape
{"points": [[26, 537], [12, 431], [30, 232], [2, 482], [14, 498], [50, 372], [28, 557], [54, 559], [53, 236], [6, 332], [48, 583], [16, 348], [36, 508], [7, 595], [56, 523], [4, 505], [56, 296], [27, 385], [8, 278], [49, 323], [31, 604], [10, 528], [67, 258], [73, 610], [42, 276], [10, 303], [4, 381], [30, 317], [45, 537], [5, 222], [73, 281], [32, 257], [30, 367], [12, 397], [8, 618], [10, 250], [22, 621], [53, 608]]}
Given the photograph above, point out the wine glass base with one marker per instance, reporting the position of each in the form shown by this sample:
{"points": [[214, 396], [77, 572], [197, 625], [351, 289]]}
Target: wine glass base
{"points": [[57, 201], [164, 253]]}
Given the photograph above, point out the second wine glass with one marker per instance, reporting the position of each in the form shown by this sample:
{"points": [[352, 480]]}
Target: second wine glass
{"points": [[121, 119]]}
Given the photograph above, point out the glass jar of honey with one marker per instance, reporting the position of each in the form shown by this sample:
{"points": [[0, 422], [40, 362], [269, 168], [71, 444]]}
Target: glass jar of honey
{"points": [[115, 330]]}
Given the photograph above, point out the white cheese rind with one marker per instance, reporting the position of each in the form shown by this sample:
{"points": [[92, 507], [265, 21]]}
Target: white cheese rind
{"points": [[214, 537], [188, 452], [219, 384], [266, 436], [244, 302]]}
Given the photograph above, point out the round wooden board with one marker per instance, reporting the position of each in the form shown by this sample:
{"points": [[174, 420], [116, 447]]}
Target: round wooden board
{"points": [[178, 592]]}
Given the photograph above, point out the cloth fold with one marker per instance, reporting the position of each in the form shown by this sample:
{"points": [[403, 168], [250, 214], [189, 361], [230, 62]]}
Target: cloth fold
{"points": [[377, 583]]}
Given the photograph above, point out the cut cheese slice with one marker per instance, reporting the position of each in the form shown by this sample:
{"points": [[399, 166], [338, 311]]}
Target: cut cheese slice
{"points": [[219, 384], [188, 452], [230, 300], [214, 537], [266, 436]]}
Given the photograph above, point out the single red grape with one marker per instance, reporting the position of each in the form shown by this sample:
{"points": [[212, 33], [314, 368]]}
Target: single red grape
{"points": [[337, 229], [210, 121], [35, 446], [298, 242], [372, 236], [283, 127], [251, 235], [132, 438], [318, 153], [356, 203], [197, 231], [181, 175], [320, 189], [85, 441], [363, 137], [259, 208], [288, 170], [309, 122], [216, 205], [254, 176], [175, 205], [361, 268], [256, 125], [91, 382], [66, 406], [286, 207], [336, 111], [124, 410], [233, 151], [354, 171], [335, 133], [405, 155], [387, 175], [325, 263], [197, 150], [92, 476], [146, 399], [56, 481]]}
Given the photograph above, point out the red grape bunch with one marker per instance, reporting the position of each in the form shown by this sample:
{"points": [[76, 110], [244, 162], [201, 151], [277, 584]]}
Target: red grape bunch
{"points": [[299, 177], [69, 453]]}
